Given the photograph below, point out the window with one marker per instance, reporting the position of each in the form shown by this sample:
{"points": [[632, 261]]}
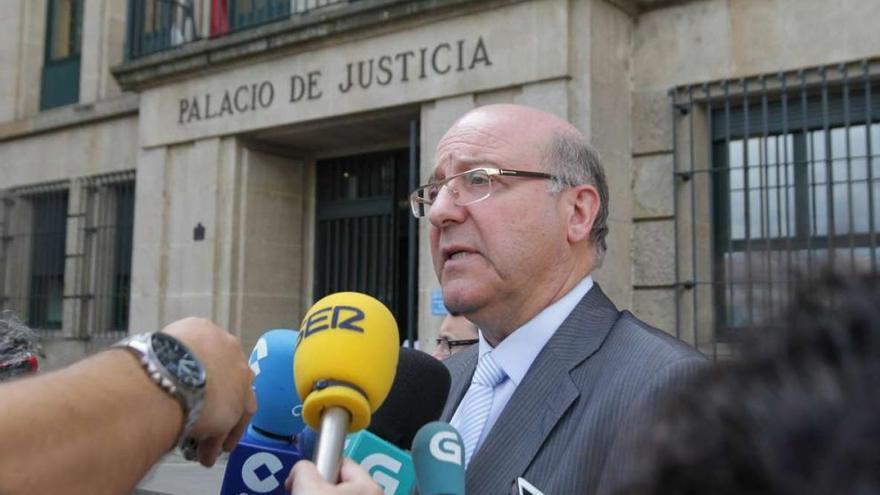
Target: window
{"points": [[156, 25], [105, 270], [788, 183], [49, 213], [33, 254], [247, 13], [235, 15], [65, 263], [60, 77]]}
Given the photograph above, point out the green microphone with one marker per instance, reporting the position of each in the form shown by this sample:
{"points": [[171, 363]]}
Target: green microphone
{"points": [[438, 459]]}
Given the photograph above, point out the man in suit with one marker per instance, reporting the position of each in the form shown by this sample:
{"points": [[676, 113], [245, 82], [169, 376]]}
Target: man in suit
{"points": [[518, 210]]}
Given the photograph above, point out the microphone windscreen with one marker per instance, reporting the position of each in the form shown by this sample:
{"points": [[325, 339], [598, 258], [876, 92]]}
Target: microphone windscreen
{"points": [[278, 405], [438, 459], [417, 397], [346, 357]]}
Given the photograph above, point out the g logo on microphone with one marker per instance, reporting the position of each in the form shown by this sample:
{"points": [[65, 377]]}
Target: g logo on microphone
{"points": [[388, 483], [445, 447], [258, 472]]}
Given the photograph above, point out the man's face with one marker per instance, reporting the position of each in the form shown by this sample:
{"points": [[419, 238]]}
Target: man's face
{"points": [[455, 329], [492, 256]]}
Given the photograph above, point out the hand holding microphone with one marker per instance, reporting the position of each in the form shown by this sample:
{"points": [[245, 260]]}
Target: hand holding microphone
{"points": [[344, 367], [353, 480]]}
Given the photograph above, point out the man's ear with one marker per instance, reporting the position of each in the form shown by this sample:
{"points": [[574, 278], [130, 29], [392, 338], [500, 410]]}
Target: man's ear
{"points": [[584, 208]]}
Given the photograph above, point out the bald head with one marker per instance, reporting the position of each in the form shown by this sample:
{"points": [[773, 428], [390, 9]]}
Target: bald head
{"points": [[519, 121]]}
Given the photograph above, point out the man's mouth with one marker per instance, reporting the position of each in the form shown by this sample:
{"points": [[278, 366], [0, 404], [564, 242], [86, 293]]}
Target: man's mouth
{"points": [[458, 255]]}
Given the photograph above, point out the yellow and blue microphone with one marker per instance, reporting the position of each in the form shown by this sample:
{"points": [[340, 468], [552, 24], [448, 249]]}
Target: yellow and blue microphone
{"points": [[344, 365]]}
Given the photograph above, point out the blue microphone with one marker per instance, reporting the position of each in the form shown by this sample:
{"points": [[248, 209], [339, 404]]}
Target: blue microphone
{"points": [[266, 453], [279, 410], [438, 457]]}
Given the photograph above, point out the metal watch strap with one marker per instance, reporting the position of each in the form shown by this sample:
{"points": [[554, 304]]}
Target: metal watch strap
{"points": [[140, 346]]}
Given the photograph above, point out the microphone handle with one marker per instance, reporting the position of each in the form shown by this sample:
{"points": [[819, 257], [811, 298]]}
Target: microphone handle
{"points": [[331, 440]]}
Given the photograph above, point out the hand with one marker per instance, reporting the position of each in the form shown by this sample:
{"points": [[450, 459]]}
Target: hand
{"points": [[304, 479], [229, 398]]}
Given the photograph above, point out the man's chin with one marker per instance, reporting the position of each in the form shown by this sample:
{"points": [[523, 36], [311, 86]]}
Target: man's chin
{"points": [[460, 302]]}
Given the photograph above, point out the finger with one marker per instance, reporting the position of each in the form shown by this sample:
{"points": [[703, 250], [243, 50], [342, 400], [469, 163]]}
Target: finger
{"points": [[236, 433], [305, 478], [288, 483], [209, 450], [352, 471], [356, 480], [250, 399]]}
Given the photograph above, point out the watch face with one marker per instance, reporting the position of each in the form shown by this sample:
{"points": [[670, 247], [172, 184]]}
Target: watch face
{"points": [[178, 360]]}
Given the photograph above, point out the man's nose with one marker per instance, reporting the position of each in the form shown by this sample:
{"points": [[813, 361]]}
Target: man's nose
{"points": [[444, 209]]}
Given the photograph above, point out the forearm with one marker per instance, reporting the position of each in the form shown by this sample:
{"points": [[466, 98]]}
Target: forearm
{"points": [[95, 427]]}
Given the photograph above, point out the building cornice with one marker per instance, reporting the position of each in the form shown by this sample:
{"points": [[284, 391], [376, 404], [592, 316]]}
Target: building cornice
{"points": [[298, 33], [70, 116]]}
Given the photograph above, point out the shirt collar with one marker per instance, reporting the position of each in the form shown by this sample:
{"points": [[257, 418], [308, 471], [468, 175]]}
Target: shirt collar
{"points": [[516, 353]]}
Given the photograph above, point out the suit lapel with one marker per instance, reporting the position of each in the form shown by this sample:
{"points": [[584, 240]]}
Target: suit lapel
{"points": [[461, 368], [546, 393]]}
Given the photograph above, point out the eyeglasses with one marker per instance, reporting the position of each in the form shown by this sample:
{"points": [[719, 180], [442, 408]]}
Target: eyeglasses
{"points": [[446, 345], [466, 188]]}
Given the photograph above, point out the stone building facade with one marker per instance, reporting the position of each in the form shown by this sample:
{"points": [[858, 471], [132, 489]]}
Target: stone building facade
{"points": [[237, 159]]}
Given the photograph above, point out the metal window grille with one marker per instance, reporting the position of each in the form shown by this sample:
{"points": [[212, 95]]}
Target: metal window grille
{"points": [[105, 245], [249, 13], [33, 255], [777, 177], [157, 25], [245, 14]]}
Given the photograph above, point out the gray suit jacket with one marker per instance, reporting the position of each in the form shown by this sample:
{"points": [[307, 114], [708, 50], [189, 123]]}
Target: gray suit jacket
{"points": [[568, 427]]}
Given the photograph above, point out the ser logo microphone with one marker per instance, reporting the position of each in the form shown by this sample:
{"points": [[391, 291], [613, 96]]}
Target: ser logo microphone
{"points": [[333, 317], [259, 470], [444, 446], [388, 483]]}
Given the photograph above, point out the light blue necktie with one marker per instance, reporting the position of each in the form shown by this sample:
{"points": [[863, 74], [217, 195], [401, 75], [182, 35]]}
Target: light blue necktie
{"points": [[477, 403]]}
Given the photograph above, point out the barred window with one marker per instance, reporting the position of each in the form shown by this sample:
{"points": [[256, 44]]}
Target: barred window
{"points": [[47, 260], [65, 263], [777, 178], [105, 270], [34, 237]]}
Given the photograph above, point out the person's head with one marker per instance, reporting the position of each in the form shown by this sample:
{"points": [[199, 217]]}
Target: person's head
{"points": [[456, 333], [796, 413], [506, 246]]}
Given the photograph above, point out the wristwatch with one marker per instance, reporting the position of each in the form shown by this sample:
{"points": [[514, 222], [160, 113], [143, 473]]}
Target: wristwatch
{"points": [[172, 366]]}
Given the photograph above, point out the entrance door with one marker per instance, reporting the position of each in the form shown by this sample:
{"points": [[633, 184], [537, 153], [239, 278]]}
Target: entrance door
{"points": [[362, 221]]}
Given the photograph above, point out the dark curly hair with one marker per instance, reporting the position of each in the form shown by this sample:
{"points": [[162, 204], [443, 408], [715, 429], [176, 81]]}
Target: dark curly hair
{"points": [[796, 412]]}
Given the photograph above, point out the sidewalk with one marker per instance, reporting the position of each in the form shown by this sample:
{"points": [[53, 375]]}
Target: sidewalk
{"points": [[174, 475]]}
